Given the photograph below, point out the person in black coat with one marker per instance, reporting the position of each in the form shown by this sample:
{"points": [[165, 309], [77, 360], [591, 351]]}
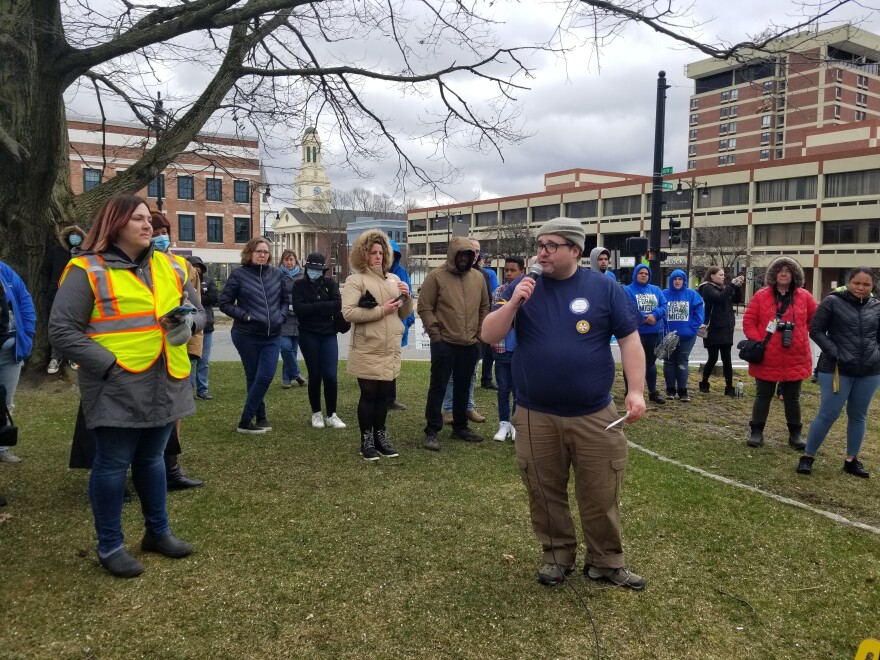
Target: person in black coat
{"points": [[255, 298], [60, 253], [718, 301], [846, 327], [316, 302]]}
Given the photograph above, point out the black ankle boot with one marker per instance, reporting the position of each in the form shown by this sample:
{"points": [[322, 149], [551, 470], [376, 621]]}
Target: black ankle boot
{"points": [[794, 437], [382, 446], [704, 386], [757, 437], [176, 476], [368, 446]]}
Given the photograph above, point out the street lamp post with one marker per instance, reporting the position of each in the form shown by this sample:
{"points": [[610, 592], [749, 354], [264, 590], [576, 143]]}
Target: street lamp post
{"points": [[692, 185], [160, 117], [256, 186]]}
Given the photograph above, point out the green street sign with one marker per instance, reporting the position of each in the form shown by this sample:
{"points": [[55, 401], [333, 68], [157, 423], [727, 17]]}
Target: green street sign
{"points": [[665, 171], [667, 185]]}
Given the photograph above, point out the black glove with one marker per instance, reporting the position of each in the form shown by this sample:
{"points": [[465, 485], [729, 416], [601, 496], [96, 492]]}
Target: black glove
{"points": [[368, 300]]}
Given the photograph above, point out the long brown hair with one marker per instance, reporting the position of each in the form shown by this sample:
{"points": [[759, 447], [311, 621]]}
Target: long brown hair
{"points": [[113, 215]]}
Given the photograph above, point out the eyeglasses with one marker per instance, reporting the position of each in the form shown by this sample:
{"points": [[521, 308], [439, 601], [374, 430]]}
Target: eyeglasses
{"points": [[261, 251], [550, 247]]}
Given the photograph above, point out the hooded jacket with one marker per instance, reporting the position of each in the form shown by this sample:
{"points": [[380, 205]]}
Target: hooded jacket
{"points": [[684, 308], [847, 329], [22, 304], [374, 347], [718, 311], [452, 305], [56, 261], [210, 294], [649, 299], [594, 260], [400, 271], [780, 363]]}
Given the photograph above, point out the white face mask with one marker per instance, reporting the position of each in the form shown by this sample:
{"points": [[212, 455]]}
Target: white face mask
{"points": [[75, 240]]}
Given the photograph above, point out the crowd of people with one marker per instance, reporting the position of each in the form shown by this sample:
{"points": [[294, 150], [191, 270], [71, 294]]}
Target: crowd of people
{"points": [[131, 317]]}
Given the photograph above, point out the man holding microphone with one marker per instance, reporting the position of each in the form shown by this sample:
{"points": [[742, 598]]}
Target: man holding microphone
{"points": [[563, 371]]}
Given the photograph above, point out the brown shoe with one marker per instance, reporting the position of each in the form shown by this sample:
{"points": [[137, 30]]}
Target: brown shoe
{"points": [[447, 418], [474, 416]]}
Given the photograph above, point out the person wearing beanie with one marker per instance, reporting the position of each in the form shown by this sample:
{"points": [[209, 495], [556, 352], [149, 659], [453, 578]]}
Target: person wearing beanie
{"points": [[651, 303], [600, 262], [563, 371], [684, 315]]}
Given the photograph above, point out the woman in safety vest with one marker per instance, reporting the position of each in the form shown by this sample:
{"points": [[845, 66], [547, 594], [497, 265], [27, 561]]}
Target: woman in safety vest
{"points": [[124, 312]]}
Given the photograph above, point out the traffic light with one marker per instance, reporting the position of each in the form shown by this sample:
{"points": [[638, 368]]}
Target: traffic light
{"points": [[674, 232]]}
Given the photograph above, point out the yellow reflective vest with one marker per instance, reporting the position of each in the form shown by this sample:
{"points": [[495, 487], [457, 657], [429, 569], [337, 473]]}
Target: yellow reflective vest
{"points": [[125, 317]]}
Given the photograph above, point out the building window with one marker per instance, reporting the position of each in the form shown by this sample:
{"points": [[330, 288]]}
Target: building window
{"points": [[723, 113], [780, 137], [731, 159], [852, 184], [837, 112], [780, 103], [778, 154], [692, 164], [765, 120], [514, 216], [439, 248], [545, 213], [722, 145], [765, 138], [722, 160], [441, 222], [785, 190], [838, 74], [722, 129], [732, 111], [793, 233], [694, 119], [156, 187], [725, 97], [693, 134], [734, 94], [861, 99], [418, 225], [731, 143], [765, 154], [585, 209], [242, 228], [630, 205], [215, 229], [768, 87], [214, 191], [731, 127], [241, 192], [837, 93], [417, 248], [862, 81], [692, 150], [91, 178], [851, 231], [486, 219], [695, 104], [729, 195], [860, 115], [780, 121], [186, 227], [185, 188]]}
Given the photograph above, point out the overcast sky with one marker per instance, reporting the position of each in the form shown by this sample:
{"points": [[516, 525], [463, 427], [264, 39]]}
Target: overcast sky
{"points": [[592, 110]]}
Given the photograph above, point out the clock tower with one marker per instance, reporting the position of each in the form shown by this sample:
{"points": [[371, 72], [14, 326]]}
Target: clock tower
{"points": [[311, 187]]}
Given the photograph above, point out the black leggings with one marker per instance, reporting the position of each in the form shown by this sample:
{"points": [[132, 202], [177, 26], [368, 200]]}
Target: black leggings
{"points": [[714, 351], [373, 404], [791, 397]]}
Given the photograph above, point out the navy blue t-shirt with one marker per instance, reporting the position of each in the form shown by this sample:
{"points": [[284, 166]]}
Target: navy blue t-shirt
{"points": [[562, 364]]}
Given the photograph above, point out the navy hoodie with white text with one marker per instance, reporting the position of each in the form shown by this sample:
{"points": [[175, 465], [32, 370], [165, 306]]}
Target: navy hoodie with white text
{"points": [[649, 299], [684, 308]]}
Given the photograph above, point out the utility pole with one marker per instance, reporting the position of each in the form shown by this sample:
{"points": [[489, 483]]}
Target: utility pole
{"points": [[657, 185]]}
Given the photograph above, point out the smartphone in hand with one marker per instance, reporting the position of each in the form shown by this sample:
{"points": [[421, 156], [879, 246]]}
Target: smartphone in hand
{"points": [[175, 314]]}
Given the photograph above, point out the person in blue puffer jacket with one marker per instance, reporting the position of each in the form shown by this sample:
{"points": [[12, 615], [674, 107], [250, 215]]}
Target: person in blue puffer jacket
{"points": [[256, 299], [400, 271], [651, 303], [684, 315]]}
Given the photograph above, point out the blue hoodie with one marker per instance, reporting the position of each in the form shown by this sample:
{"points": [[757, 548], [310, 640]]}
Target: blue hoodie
{"points": [[649, 299], [684, 308], [400, 271]]}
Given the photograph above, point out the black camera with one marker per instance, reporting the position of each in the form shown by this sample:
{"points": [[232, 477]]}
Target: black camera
{"points": [[786, 328]]}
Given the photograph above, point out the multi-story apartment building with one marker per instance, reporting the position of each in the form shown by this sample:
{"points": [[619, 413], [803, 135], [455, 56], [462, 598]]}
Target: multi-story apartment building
{"points": [[761, 109], [820, 207], [212, 193]]}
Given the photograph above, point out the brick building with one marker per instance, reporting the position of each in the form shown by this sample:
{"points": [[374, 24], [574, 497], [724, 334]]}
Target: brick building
{"points": [[762, 109], [212, 193]]}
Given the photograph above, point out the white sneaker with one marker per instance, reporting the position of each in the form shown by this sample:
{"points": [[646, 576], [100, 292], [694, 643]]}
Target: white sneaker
{"points": [[7, 456], [512, 433], [317, 420], [334, 422], [503, 432], [54, 366]]}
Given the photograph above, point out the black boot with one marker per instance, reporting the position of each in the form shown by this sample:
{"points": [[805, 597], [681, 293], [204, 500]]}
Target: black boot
{"points": [[757, 437], [704, 386], [176, 476], [794, 437], [382, 446], [368, 446]]}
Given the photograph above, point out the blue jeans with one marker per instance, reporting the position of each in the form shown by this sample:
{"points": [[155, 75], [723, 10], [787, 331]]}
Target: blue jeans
{"points": [[10, 370], [447, 397], [259, 356], [856, 393], [198, 375], [115, 450], [675, 369], [321, 354], [504, 380], [289, 366]]}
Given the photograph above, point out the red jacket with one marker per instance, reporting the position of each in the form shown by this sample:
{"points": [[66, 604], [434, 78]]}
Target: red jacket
{"points": [[781, 364]]}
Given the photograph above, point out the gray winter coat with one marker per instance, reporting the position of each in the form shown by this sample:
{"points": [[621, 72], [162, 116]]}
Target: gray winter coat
{"points": [[112, 396]]}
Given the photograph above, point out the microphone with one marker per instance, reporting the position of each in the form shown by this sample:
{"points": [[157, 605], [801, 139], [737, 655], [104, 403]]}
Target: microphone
{"points": [[534, 272]]}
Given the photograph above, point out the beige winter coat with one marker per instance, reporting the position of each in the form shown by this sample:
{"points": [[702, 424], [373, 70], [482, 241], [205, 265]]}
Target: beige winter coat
{"points": [[374, 348]]}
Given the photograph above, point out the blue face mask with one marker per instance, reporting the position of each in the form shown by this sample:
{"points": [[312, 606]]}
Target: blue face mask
{"points": [[161, 242], [314, 275], [75, 240]]}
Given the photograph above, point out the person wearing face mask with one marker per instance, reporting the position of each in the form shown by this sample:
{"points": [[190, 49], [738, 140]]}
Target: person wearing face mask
{"points": [[374, 301], [255, 298], [316, 301], [290, 372], [69, 240]]}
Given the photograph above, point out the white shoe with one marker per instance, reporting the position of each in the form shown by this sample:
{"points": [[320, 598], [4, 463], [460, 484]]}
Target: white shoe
{"points": [[7, 456], [317, 420], [503, 432], [54, 366], [512, 433], [334, 422]]}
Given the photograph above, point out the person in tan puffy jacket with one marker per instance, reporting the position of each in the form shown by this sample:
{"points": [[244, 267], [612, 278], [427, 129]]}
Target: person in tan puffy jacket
{"points": [[374, 301]]}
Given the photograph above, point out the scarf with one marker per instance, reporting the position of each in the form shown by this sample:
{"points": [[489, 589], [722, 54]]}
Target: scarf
{"points": [[290, 272]]}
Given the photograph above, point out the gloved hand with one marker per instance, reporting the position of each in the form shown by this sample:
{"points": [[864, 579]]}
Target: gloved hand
{"points": [[180, 333]]}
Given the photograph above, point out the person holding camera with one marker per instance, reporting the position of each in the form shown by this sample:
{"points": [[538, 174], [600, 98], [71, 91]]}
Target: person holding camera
{"points": [[719, 298], [374, 301], [780, 315]]}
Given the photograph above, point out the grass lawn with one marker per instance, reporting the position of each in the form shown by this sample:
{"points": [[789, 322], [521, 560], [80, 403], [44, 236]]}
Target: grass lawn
{"points": [[304, 550]]}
